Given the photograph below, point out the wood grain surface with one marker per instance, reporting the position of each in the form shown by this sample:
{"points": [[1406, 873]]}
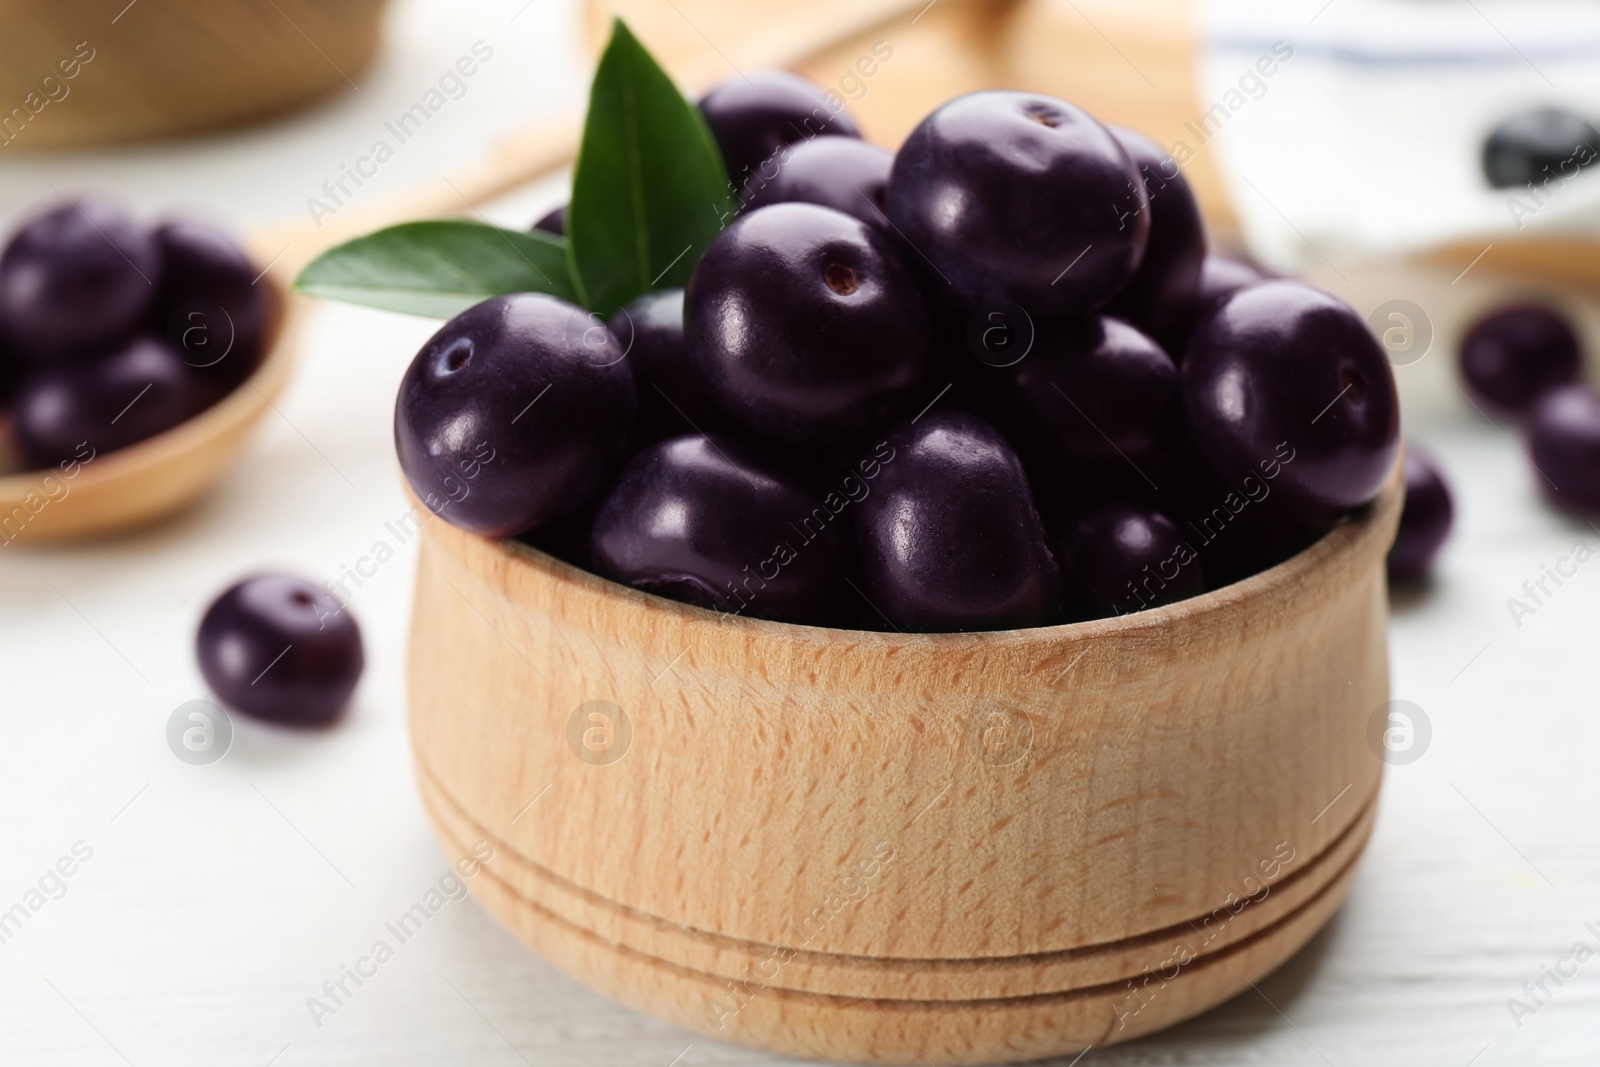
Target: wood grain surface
{"points": [[129, 487], [103, 71], [930, 820]]}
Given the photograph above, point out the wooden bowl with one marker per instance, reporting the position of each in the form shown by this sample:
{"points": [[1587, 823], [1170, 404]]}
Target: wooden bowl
{"points": [[154, 477], [904, 848], [107, 71]]}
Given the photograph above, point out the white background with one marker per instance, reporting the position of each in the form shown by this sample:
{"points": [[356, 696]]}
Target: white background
{"points": [[219, 898]]}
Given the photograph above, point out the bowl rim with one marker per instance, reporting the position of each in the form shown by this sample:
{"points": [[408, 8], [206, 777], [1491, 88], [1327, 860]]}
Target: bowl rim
{"points": [[242, 404], [1356, 534]]}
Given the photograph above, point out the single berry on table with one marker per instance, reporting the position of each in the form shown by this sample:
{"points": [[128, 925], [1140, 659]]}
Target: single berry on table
{"points": [[1425, 519], [280, 648], [1161, 291], [806, 325], [1280, 365], [722, 525], [134, 392], [76, 278], [753, 115], [1513, 356], [844, 173], [1563, 434], [1018, 198], [949, 539], [516, 413]]}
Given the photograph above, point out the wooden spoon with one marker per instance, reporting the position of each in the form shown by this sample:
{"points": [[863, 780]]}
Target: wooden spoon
{"points": [[131, 486]]}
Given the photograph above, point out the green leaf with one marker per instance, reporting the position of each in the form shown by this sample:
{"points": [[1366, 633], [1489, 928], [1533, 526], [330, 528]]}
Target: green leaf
{"points": [[438, 268], [649, 190]]}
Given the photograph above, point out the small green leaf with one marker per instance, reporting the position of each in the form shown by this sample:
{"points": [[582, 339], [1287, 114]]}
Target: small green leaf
{"points": [[649, 191], [438, 268]]}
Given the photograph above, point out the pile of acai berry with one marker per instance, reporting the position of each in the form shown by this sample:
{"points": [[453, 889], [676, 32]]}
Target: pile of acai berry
{"points": [[991, 380]]}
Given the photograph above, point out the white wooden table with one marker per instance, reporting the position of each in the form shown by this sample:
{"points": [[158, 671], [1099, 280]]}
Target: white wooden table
{"points": [[218, 899]]}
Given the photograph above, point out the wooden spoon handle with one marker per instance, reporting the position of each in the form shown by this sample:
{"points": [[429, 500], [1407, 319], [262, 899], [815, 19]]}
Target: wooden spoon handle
{"points": [[515, 160], [526, 155]]}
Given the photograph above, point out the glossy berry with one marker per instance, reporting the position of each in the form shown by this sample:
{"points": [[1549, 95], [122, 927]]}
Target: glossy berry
{"points": [[1131, 558], [753, 115], [479, 439], [135, 392], [210, 307], [806, 324], [673, 398], [1094, 407], [1563, 433], [712, 522], [282, 649], [949, 539], [1237, 520], [1513, 356], [1537, 146], [1163, 288], [844, 173], [1424, 521], [1023, 199], [1280, 364], [76, 278], [553, 222], [1220, 277]]}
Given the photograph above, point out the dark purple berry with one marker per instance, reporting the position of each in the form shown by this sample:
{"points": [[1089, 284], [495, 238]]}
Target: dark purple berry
{"points": [[282, 649], [1237, 521], [1425, 519], [1163, 289], [1563, 432], [949, 538], [1282, 365], [1540, 145], [553, 222], [211, 306], [135, 392], [515, 413], [76, 278], [1130, 558], [1513, 356], [806, 324], [1093, 407], [1220, 277], [753, 115], [712, 522], [566, 538], [1020, 199], [11, 369], [844, 173], [673, 399]]}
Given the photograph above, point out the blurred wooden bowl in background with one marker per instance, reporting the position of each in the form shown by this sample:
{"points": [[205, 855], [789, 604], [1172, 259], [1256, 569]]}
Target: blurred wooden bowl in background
{"points": [[106, 71]]}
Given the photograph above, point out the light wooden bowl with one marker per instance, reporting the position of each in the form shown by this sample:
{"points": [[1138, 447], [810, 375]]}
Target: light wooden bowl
{"points": [[106, 71], [157, 476], [918, 848]]}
